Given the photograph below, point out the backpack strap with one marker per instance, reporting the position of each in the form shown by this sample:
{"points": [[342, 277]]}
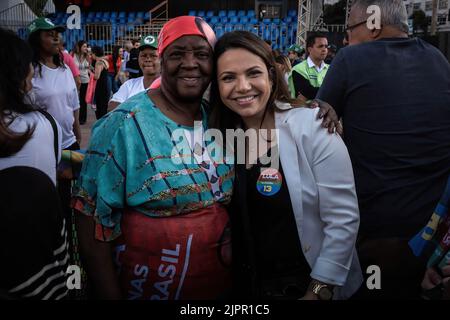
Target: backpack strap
{"points": [[55, 133]]}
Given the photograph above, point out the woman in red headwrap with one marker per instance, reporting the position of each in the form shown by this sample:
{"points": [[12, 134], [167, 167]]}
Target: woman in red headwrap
{"points": [[153, 222]]}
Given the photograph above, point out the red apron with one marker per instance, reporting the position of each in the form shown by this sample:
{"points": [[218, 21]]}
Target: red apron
{"points": [[177, 257]]}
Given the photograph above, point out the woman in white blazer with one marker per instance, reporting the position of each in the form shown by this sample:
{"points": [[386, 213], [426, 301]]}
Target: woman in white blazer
{"points": [[294, 222]]}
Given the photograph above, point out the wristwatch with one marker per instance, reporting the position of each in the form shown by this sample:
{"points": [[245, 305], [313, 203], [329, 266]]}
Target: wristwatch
{"points": [[321, 290]]}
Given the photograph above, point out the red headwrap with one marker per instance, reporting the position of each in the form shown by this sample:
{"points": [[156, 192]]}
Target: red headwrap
{"points": [[184, 26]]}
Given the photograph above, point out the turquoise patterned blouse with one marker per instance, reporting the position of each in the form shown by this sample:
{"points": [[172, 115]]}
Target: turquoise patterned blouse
{"points": [[131, 162]]}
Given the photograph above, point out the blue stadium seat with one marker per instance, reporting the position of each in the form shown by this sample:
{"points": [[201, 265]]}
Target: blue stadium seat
{"points": [[192, 13], [106, 14], [276, 21], [140, 15], [266, 21], [224, 20], [210, 13], [292, 13], [251, 28], [222, 13], [239, 26], [114, 14], [243, 20], [241, 13], [99, 14], [228, 27], [201, 13], [132, 15], [122, 14], [214, 20], [254, 21], [147, 15], [234, 20], [287, 19], [231, 13], [90, 14], [251, 13]]}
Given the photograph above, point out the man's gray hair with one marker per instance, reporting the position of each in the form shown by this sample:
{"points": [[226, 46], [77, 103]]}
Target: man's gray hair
{"points": [[393, 12]]}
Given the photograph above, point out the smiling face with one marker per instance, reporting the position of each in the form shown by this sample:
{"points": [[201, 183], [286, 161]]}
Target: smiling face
{"points": [[186, 68], [244, 82], [149, 62]]}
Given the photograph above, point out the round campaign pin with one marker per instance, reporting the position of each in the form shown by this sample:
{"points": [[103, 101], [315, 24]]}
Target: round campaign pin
{"points": [[269, 182]]}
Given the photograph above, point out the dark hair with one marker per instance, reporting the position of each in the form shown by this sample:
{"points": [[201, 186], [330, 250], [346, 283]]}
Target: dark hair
{"points": [[34, 40], [311, 39], [281, 59], [115, 56], [221, 116], [133, 41], [77, 48], [15, 58], [98, 51]]}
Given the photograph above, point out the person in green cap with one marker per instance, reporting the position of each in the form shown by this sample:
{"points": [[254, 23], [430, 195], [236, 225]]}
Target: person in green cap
{"points": [[295, 53], [149, 65], [307, 76], [54, 90]]}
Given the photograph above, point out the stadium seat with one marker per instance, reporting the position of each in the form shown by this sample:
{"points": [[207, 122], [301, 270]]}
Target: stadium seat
{"points": [[292, 13], [224, 20], [266, 21], [147, 15], [251, 13], [214, 20], [241, 13], [228, 27], [234, 20], [254, 21], [238, 26], [231, 13], [201, 13], [243, 20], [276, 21], [222, 13], [122, 14], [210, 13]]}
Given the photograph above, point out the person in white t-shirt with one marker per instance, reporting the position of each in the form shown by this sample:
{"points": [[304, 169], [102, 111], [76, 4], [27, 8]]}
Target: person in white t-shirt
{"points": [[150, 66], [54, 87], [26, 135], [55, 91]]}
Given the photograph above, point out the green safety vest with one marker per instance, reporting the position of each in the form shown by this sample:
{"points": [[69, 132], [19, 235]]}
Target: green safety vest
{"points": [[314, 77]]}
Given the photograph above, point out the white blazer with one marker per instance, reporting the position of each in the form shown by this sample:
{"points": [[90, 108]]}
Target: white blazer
{"points": [[319, 177]]}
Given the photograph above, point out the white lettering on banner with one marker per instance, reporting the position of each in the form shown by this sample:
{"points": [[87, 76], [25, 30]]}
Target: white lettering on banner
{"points": [[166, 272], [136, 284]]}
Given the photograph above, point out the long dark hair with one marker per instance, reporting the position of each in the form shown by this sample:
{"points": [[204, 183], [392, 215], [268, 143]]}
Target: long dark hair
{"points": [[15, 58], [115, 56], [221, 116], [34, 40], [77, 50]]}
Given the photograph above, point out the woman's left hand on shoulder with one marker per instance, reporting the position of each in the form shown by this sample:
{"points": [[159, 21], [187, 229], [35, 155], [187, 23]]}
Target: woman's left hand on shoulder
{"points": [[328, 114]]}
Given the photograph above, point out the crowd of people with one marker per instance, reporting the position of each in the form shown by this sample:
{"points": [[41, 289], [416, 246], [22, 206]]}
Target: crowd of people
{"points": [[359, 142]]}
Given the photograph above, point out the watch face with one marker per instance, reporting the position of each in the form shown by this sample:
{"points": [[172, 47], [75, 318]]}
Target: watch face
{"points": [[325, 294]]}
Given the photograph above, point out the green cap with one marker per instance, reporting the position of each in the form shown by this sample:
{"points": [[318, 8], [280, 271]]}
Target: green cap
{"points": [[148, 41], [296, 48], [44, 24]]}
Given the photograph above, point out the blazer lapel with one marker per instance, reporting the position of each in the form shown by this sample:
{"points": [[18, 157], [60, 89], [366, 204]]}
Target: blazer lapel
{"points": [[291, 165]]}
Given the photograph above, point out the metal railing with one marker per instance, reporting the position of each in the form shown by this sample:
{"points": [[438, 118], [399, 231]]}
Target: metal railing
{"points": [[16, 17]]}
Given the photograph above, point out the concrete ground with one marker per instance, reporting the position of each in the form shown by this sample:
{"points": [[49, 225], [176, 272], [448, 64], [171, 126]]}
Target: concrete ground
{"points": [[86, 128]]}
